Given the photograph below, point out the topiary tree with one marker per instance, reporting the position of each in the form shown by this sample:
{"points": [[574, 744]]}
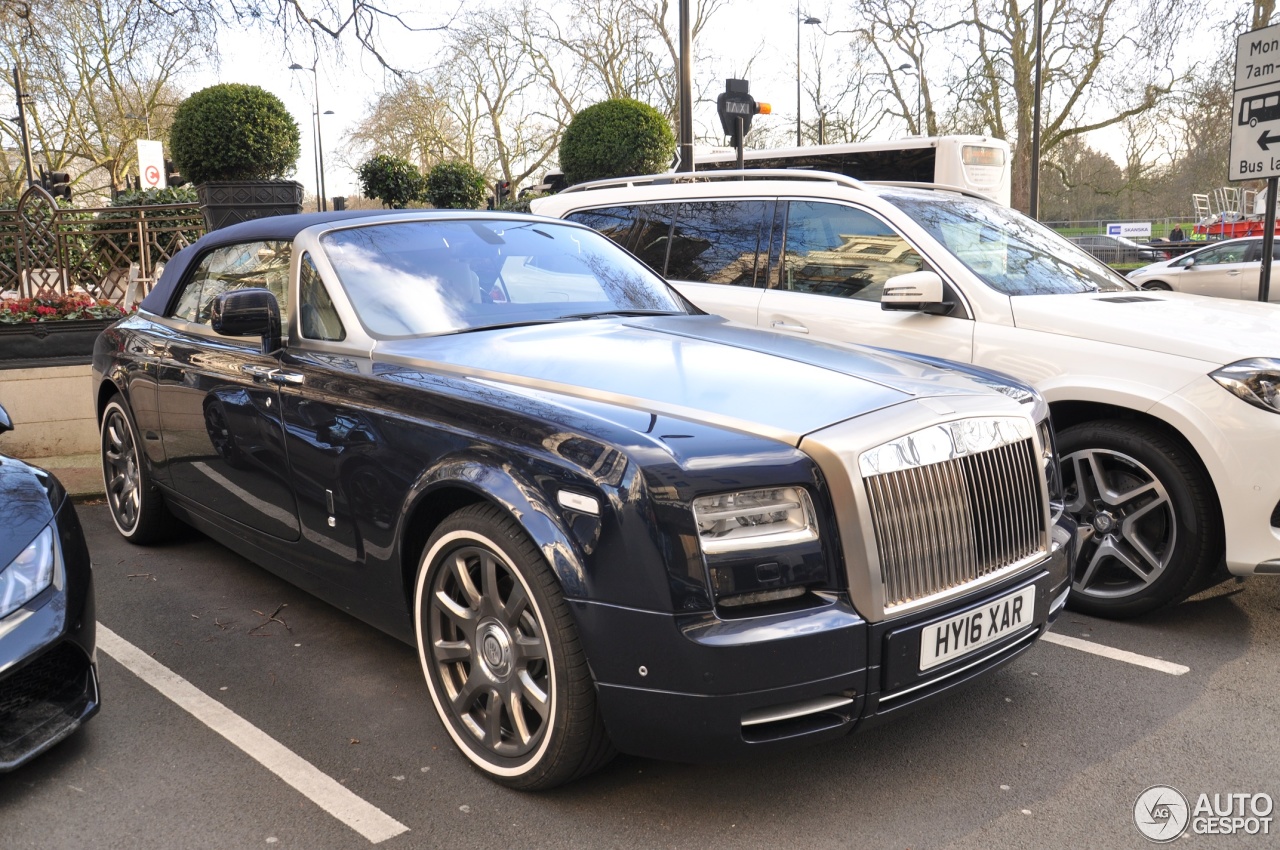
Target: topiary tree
{"points": [[395, 182], [616, 138], [456, 185], [234, 131]]}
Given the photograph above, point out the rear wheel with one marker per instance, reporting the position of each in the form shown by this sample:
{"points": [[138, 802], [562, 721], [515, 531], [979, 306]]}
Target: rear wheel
{"points": [[501, 656], [1152, 534], [137, 507]]}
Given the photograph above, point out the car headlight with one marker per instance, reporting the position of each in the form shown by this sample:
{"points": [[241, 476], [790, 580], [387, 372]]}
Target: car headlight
{"points": [[748, 519], [28, 574], [1257, 381]]}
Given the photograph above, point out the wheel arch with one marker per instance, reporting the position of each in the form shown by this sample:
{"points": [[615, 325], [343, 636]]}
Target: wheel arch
{"points": [[106, 390], [1069, 412], [455, 484]]}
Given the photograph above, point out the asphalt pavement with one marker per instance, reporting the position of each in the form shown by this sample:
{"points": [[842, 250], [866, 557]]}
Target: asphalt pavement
{"points": [[1052, 751]]}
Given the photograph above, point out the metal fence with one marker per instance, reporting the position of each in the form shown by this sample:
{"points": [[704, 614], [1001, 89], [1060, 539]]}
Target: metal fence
{"points": [[112, 253]]}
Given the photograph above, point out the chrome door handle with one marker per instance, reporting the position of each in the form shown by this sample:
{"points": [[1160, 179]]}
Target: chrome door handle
{"points": [[785, 326], [267, 373]]}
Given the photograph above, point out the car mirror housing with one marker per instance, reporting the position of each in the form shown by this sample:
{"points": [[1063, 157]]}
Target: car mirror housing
{"points": [[248, 312], [920, 292], [6, 424]]}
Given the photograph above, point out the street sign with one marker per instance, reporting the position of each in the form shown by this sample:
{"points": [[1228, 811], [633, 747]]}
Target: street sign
{"points": [[1255, 113], [151, 164]]}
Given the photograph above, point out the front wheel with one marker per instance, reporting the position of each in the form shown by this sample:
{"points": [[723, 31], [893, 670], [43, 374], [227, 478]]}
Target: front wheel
{"points": [[501, 656], [1157, 286], [137, 507], [1151, 530]]}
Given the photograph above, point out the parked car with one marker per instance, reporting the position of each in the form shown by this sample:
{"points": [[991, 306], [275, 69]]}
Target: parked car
{"points": [[1166, 404], [1116, 250], [1229, 269], [48, 676], [605, 519]]}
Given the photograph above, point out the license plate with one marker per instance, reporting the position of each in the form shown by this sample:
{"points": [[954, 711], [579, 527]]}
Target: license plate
{"points": [[977, 627]]}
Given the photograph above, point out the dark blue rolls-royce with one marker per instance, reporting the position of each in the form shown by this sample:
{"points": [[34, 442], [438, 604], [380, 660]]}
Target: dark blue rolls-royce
{"points": [[605, 519]]}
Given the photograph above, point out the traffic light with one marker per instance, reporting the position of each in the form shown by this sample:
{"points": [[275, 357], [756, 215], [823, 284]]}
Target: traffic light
{"points": [[737, 107], [501, 191], [56, 183]]}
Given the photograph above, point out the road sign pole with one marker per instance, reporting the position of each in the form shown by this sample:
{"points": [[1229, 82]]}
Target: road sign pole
{"points": [[1268, 240]]}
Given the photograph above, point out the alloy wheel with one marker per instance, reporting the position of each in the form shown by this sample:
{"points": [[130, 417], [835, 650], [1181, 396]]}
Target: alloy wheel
{"points": [[1127, 519]]}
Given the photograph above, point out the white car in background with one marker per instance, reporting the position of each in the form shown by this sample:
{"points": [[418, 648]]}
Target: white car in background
{"points": [[1167, 405], [1228, 269]]}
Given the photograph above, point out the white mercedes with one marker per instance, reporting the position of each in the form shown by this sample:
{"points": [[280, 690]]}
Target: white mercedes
{"points": [[1167, 405]]}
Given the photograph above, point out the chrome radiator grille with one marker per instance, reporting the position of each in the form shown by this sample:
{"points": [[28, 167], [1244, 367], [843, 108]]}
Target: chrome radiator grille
{"points": [[944, 524]]}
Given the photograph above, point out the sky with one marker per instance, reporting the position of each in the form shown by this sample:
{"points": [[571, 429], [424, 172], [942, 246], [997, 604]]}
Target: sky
{"points": [[348, 83]]}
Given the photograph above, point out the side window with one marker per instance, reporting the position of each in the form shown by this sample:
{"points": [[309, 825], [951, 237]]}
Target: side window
{"points": [[315, 308], [644, 230], [832, 249], [618, 223], [717, 241], [1234, 253], [263, 264]]}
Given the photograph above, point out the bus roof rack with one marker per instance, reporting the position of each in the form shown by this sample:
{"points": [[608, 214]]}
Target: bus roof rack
{"points": [[718, 176]]}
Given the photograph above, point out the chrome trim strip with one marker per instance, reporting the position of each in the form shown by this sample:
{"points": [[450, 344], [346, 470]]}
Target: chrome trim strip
{"points": [[1059, 603], [772, 714], [942, 442], [1028, 637]]}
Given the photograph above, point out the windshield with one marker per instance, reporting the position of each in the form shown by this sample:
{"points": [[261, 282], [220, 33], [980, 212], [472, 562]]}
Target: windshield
{"points": [[1006, 250], [431, 277]]}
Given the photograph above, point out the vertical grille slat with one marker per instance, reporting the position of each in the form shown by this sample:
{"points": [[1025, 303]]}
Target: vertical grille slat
{"points": [[943, 525]]}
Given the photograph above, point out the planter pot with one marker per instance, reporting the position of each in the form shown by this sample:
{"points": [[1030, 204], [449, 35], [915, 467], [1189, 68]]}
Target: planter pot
{"points": [[232, 201], [65, 343]]}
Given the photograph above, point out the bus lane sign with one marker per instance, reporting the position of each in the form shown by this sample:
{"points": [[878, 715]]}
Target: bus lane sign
{"points": [[1255, 114]]}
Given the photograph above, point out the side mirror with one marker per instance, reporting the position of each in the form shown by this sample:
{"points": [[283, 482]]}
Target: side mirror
{"points": [[1191, 261], [917, 292], [248, 312], [6, 424]]}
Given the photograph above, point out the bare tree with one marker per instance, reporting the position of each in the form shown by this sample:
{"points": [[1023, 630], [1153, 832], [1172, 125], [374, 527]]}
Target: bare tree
{"points": [[1104, 61], [100, 74]]}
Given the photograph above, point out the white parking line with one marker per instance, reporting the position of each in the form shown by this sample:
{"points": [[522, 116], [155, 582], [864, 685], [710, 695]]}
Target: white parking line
{"points": [[1117, 654], [325, 792]]}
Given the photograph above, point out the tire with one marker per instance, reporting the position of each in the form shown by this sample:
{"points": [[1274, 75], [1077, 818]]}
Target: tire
{"points": [[137, 507], [1151, 522], [494, 631], [1157, 286]]}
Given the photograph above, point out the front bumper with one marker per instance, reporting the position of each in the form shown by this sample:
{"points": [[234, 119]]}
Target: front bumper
{"points": [[48, 675], [1237, 443], [697, 688]]}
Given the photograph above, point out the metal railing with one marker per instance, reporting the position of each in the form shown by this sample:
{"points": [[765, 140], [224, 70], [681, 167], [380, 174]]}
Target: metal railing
{"points": [[112, 253]]}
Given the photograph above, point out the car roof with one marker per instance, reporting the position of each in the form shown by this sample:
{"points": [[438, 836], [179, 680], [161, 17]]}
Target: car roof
{"points": [[282, 227]]}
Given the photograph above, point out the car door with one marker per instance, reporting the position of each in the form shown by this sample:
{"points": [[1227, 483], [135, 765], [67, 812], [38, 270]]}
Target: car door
{"points": [[219, 412], [827, 276], [1222, 271]]}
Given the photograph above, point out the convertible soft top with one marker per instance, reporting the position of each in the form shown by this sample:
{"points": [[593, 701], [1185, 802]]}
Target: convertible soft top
{"points": [[270, 227]]}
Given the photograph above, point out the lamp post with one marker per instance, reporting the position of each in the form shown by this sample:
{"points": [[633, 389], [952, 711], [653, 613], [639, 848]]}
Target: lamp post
{"points": [[315, 115], [145, 118], [800, 19], [920, 118]]}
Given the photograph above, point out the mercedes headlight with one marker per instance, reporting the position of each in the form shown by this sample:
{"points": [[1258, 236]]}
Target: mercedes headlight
{"points": [[749, 519], [28, 574], [1257, 381]]}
